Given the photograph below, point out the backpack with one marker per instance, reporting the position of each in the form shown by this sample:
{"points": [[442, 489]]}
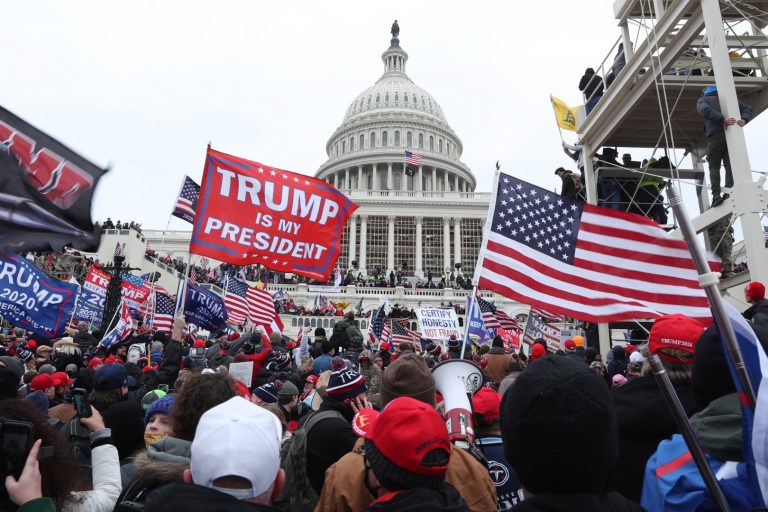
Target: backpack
{"points": [[293, 460], [339, 336], [355, 338], [577, 181]]}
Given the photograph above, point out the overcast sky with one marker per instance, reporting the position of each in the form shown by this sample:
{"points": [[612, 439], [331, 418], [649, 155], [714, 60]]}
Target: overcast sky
{"points": [[144, 86]]}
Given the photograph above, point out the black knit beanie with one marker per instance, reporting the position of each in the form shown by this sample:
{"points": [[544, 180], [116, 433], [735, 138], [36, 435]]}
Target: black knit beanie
{"points": [[497, 342], [710, 377], [559, 428]]}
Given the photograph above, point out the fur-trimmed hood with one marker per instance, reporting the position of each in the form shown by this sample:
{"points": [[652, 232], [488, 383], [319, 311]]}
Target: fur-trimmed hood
{"points": [[164, 461]]}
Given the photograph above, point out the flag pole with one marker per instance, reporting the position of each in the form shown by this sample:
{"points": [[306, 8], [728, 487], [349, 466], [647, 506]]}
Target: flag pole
{"points": [[675, 408], [709, 281], [77, 300], [557, 121], [466, 323]]}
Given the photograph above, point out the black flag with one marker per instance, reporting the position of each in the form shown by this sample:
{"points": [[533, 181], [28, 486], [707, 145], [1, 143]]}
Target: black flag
{"points": [[46, 191]]}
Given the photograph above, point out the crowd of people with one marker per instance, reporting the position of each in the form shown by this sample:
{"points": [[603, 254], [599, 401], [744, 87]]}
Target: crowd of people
{"points": [[108, 224], [332, 421]]}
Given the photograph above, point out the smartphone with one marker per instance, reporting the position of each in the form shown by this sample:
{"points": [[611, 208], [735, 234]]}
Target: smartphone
{"points": [[82, 404], [163, 387], [16, 439]]}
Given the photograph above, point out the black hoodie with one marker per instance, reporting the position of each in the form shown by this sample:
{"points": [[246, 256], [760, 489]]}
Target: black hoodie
{"points": [[180, 497], [604, 502], [644, 421], [420, 499]]}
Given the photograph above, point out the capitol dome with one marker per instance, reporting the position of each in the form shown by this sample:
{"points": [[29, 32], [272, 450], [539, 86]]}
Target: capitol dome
{"points": [[394, 115], [419, 220]]}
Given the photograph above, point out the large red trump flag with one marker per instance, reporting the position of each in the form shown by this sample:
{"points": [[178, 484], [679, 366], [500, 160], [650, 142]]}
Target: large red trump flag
{"points": [[252, 213]]}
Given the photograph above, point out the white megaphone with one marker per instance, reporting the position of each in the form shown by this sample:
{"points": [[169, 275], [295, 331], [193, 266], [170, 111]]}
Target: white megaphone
{"points": [[455, 379]]}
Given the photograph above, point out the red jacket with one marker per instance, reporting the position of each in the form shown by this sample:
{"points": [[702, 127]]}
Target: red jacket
{"points": [[259, 360]]}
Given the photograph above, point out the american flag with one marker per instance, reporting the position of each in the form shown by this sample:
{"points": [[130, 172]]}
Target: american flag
{"points": [[376, 326], [411, 162], [162, 320], [765, 232], [193, 276], [235, 301], [386, 333], [120, 249], [537, 328], [402, 334], [547, 315], [583, 261], [186, 203], [262, 310], [493, 318], [243, 301]]}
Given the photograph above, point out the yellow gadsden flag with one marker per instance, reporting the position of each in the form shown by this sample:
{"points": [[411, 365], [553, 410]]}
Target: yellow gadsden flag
{"points": [[565, 115]]}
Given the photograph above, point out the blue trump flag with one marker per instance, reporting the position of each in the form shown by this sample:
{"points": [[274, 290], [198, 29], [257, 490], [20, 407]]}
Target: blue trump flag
{"points": [[203, 308], [32, 300], [90, 307], [475, 324]]}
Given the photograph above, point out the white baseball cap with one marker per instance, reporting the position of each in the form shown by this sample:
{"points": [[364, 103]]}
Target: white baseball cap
{"points": [[237, 438], [636, 357]]}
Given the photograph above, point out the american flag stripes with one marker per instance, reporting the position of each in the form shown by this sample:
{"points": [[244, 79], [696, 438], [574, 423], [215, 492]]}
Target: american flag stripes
{"points": [[162, 319], [411, 162], [235, 301], [120, 249], [546, 315], [247, 302], [494, 318], [386, 332], [583, 261], [186, 202], [376, 326]]}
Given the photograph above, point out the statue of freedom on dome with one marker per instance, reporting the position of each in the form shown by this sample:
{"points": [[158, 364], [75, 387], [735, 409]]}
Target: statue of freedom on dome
{"points": [[395, 29]]}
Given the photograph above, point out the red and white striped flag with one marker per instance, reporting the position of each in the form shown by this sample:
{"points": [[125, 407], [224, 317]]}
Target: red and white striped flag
{"points": [[583, 261], [262, 310]]}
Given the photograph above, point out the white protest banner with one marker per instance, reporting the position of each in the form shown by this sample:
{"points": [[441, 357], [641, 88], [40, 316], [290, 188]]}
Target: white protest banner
{"points": [[242, 372], [438, 323], [323, 289]]}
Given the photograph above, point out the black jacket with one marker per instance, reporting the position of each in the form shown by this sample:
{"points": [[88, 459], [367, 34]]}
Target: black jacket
{"points": [[605, 502], [421, 500], [758, 313], [591, 82], [644, 421], [569, 187], [180, 497], [328, 441]]}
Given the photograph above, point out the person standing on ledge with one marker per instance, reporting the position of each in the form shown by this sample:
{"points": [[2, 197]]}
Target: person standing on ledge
{"points": [[715, 123]]}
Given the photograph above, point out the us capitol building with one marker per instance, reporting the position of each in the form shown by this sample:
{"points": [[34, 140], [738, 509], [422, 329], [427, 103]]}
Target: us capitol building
{"points": [[429, 221], [426, 222]]}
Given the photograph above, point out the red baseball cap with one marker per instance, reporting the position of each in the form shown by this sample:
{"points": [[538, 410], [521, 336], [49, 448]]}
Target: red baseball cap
{"points": [[199, 344], [674, 331], [755, 290], [363, 421], [61, 379], [570, 344], [95, 361], [486, 403], [41, 382], [32, 345], [405, 432], [311, 378]]}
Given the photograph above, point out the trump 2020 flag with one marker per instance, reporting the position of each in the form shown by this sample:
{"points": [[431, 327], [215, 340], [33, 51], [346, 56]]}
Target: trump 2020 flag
{"points": [[46, 191], [121, 330], [584, 261], [32, 300], [252, 213], [186, 202], [203, 308], [475, 324]]}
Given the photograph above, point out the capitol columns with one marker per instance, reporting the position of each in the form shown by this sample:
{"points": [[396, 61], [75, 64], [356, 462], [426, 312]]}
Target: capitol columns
{"points": [[404, 180], [347, 184], [434, 179], [421, 181], [360, 177], [389, 176], [375, 177], [446, 242], [419, 251], [456, 240], [363, 242], [352, 238], [391, 240]]}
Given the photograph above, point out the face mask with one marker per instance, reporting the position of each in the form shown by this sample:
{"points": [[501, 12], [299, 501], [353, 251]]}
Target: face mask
{"points": [[240, 494], [151, 437]]}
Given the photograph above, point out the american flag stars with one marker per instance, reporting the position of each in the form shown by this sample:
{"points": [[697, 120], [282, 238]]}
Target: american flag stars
{"points": [[542, 221]]}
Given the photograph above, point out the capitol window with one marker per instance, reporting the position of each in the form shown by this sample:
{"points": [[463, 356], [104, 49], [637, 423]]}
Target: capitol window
{"points": [[369, 100], [405, 97], [397, 97], [423, 105], [386, 97], [440, 145], [373, 140], [378, 97], [343, 146], [384, 138], [362, 141], [431, 143], [351, 143], [448, 148], [409, 139], [397, 137], [421, 141]]}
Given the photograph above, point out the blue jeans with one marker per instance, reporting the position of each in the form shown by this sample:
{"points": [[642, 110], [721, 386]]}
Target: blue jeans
{"points": [[592, 102]]}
